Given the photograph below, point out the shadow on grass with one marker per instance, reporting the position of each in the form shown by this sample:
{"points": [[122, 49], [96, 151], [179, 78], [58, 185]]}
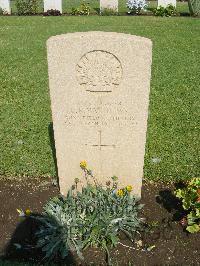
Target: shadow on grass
{"points": [[53, 149], [184, 14], [171, 203], [22, 245]]}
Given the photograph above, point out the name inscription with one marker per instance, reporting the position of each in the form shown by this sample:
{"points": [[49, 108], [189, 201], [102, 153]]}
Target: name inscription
{"points": [[105, 114]]}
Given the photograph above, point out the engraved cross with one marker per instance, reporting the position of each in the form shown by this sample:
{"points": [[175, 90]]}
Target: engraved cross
{"points": [[100, 145]]}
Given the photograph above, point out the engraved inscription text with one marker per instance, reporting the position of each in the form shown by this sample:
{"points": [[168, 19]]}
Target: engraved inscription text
{"points": [[88, 114]]}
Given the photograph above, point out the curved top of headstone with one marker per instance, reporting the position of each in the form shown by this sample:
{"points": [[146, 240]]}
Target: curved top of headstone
{"points": [[92, 34]]}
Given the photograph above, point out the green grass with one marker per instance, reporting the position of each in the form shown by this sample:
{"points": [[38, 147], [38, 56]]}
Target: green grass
{"points": [[173, 126], [94, 4]]}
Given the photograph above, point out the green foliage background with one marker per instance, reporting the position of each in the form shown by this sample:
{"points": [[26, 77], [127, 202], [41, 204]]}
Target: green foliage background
{"points": [[67, 5], [173, 126]]}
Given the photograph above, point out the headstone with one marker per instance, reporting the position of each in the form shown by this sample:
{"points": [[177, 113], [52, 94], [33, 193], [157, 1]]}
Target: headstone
{"points": [[109, 5], [165, 3], [99, 86], [53, 4], [5, 6]]}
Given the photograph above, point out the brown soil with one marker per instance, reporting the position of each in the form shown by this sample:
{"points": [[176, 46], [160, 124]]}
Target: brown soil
{"points": [[172, 245]]}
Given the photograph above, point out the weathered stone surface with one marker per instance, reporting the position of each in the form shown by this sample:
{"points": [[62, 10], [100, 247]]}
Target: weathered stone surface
{"points": [[5, 5], [53, 4], [109, 4], [99, 86], [165, 3]]}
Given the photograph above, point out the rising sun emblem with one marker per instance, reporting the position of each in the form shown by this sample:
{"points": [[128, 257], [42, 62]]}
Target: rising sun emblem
{"points": [[99, 71]]}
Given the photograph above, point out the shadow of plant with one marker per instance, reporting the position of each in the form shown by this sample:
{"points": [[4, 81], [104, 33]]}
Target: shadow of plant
{"points": [[22, 246], [171, 203]]}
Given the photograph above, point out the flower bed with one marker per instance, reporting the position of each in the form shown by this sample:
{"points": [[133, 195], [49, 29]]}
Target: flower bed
{"points": [[166, 242]]}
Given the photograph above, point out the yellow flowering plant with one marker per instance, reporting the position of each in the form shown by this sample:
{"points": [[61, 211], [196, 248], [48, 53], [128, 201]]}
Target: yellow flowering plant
{"points": [[27, 212], [94, 216], [129, 188], [120, 192], [22, 213], [83, 164]]}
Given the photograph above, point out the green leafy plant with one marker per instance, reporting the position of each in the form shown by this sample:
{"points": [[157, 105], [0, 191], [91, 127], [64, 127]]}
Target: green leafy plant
{"points": [[136, 6], [94, 216], [168, 11], [1, 11], [109, 12], [190, 197], [27, 7], [83, 10], [52, 12], [194, 7]]}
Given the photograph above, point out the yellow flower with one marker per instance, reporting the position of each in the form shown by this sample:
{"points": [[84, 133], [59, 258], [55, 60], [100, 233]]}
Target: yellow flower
{"points": [[83, 164], [21, 213], [27, 212], [129, 188], [120, 192]]}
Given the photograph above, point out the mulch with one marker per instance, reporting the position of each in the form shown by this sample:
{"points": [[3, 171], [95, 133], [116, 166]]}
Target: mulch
{"points": [[168, 244]]}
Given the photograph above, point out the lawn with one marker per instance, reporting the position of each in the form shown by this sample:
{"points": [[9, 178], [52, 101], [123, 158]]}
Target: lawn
{"points": [[173, 126]]}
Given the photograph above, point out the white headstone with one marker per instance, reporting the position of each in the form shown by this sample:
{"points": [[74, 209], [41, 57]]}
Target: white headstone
{"points": [[165, 3], [109, 5], [53, 4], [5, 5], [99, 86]]}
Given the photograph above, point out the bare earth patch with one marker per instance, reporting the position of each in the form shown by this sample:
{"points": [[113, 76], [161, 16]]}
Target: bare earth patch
{"points": [[169, 244]]}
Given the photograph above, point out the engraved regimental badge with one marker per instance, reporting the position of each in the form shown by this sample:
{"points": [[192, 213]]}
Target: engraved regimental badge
{"points": [[99, 71]]}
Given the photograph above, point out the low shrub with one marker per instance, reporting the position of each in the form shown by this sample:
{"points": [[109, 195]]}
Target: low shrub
{"points": [[94, 216], [84, 10], [190, 197], [135, 6], [109, 12], [168, 11], [52, 12], [194, 7], [27, 7]]}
